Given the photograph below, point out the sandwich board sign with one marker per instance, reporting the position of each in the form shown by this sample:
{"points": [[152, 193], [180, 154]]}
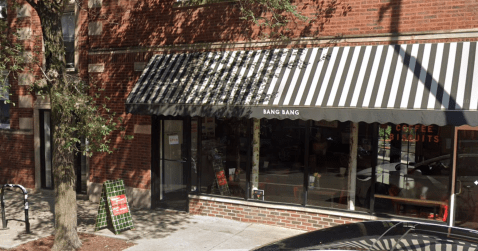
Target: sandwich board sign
{"points": [[113, 208]]}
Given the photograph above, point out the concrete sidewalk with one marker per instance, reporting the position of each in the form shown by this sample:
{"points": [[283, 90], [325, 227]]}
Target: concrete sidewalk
{"points": [[154, 229]]}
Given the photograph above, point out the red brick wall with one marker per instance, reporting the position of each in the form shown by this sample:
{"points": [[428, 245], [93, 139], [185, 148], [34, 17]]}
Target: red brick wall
{"points": [[17, 160], [132, 23], [17, 165], [34, 45], [131, 161], [156, 22], [295, 219]]}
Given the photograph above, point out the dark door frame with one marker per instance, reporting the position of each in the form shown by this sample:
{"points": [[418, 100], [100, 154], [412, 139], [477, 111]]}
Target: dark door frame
{"points": [[157, 133], [77, 161], [453, 184], [42, 150]]}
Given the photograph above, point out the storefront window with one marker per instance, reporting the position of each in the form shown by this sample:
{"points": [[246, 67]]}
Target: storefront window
{"points": [[281, 160], [329, 148], [412, 164], [194, 153], [412, 175], [466, 178], [366, 159], [223, 156]]}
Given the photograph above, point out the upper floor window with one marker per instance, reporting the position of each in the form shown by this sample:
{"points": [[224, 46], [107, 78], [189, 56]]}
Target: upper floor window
{"points": [[4, 106], [68, 27], [3, 9]]}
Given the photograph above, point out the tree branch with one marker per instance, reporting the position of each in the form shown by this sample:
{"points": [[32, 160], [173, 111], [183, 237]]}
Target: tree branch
{"points": [[34, 61], [33, 4], [80, 5]]}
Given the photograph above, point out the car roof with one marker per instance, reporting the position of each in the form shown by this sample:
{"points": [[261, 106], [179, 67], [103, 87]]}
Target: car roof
{"points": [[381, 235]]}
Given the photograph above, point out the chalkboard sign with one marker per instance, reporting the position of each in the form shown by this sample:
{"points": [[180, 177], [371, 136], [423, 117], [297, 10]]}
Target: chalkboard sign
{"points": [[113, 208]]}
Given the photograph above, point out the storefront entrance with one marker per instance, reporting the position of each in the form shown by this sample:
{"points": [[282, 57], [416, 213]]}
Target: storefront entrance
{"points": [[318, 132], [170, 161], [466, 181]]}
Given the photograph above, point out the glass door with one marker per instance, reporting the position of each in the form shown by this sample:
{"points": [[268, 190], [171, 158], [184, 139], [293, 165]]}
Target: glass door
{"points": [[466, 178], [172, 175]]}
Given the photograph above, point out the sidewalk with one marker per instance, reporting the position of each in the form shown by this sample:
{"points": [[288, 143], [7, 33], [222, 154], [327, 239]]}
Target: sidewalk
{"points": [[154, 229]]}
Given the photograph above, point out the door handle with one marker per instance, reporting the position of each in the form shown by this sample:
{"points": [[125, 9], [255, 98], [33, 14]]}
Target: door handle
{"points": [[182, 160]]}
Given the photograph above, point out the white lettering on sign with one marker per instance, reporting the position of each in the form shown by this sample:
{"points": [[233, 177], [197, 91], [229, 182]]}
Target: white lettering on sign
{"points": [[283, 112], [119, 204], [118, 200]]}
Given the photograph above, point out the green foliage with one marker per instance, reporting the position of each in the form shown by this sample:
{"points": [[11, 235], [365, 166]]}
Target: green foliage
{"points": [[385, 132], [273, 14], [11, 59], [81, 114], [269, 14]]}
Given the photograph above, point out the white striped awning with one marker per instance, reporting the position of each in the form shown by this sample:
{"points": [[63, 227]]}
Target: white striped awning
{"points": [[412, 84]]}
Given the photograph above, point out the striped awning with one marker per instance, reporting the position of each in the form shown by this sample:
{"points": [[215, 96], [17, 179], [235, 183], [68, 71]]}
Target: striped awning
{"points": [[412, 84]]}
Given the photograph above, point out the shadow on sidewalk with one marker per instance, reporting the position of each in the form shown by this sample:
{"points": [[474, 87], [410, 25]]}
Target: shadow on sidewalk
{"points": [[148, 223]]}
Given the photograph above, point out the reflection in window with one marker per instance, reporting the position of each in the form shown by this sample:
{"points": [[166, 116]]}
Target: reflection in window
{"points": [[223, 156], [281, 160], [329, 150], [4, 106], [68, 27], [194, 153], [466, 179], [413, 172], [365, 160], [3, 9]]}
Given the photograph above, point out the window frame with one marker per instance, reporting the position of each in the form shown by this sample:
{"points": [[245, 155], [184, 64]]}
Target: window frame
{"points": [[4, 97], [3, 5]]}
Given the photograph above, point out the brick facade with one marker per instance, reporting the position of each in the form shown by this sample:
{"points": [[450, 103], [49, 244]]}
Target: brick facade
{"points": [[158, 23], [132, 31], [120, 33], [17, 159], [266, 214]]}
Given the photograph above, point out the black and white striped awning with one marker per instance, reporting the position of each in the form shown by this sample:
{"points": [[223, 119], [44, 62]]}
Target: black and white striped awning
{"points": [[412, 84]]}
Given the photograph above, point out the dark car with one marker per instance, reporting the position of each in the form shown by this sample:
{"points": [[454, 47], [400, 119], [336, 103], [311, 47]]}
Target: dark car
{"points": [[381, 235]]}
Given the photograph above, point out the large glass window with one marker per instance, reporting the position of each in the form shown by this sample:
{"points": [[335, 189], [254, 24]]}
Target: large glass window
{"points": [[412, 177], [331, 162], [466, 188], [366, 159], [281, 160], [223, 156], [329, 151]]}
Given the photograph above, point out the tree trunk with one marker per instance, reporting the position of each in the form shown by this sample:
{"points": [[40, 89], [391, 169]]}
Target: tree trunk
{"points": [[66, 237], [50, 13]]}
